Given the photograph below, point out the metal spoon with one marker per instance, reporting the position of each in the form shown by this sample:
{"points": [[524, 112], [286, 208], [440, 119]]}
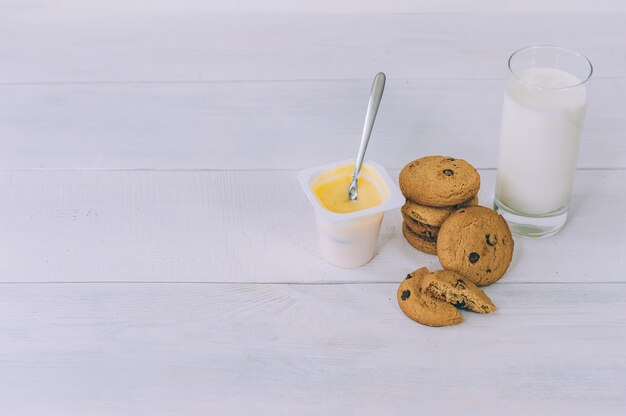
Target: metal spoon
{"points": [[372, 108]]}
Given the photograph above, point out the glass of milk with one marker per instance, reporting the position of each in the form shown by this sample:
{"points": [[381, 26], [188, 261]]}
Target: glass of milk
{"points": [[544, 109]]}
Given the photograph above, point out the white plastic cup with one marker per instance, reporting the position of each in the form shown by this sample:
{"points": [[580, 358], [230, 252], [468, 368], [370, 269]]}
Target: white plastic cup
{"points": [[349, 240]]}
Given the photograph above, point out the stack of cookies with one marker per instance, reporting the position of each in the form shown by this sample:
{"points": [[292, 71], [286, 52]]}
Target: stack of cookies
{"points": [[475, 247], [434, 187], [474, 244]]}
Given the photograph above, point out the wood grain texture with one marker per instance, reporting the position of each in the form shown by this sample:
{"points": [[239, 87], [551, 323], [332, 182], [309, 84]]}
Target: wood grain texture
{"points": [[253, 226], [186, 349], [151, 45], [272, 125]]}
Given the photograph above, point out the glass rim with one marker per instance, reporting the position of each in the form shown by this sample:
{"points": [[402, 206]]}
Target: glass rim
{"points": [[555, 47]]}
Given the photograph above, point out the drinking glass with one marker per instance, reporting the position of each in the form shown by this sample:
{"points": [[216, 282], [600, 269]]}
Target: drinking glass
{"points": [[545, 101]]}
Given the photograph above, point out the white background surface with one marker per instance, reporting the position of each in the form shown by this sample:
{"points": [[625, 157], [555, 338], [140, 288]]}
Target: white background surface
{"points": [[158, 258]]}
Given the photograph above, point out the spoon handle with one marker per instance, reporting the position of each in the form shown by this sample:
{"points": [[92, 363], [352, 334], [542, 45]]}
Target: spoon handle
{"points": [[372, 109]]}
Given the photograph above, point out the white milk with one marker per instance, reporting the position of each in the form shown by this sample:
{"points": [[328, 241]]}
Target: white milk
{"points": [[539, 140]]}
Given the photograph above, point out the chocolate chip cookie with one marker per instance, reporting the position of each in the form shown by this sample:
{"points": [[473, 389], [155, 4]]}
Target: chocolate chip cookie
{"points": [[423, 308], [427, 232], [477, 243], [451, 287], [429, 247], [433, 216], [439, 181]]}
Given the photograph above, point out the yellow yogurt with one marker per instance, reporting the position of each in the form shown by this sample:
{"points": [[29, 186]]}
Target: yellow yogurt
{"points": [[331, 189]]}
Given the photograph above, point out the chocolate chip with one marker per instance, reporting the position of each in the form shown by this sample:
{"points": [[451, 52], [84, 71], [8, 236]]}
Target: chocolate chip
{"points": [[451, 159], [490, 240], [448, 172], [405, 295], [473, 257], [460, 304], [428, 236], [488, 270], [408, 276]]}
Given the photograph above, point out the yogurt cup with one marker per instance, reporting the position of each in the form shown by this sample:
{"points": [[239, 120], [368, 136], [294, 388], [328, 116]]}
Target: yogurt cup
{"points": [[349, 240]]}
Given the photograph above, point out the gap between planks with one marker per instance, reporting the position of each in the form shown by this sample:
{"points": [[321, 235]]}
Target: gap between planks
{"points": [[250, 80]]}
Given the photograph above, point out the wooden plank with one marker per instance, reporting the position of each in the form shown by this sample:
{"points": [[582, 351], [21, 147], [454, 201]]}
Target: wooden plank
{"points": [[77, 9], [272, 125], [54, 44], [252, 226], [185, 349]]}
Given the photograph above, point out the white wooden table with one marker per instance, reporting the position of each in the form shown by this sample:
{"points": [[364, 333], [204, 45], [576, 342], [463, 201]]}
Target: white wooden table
{"points": [[158, 258]]}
